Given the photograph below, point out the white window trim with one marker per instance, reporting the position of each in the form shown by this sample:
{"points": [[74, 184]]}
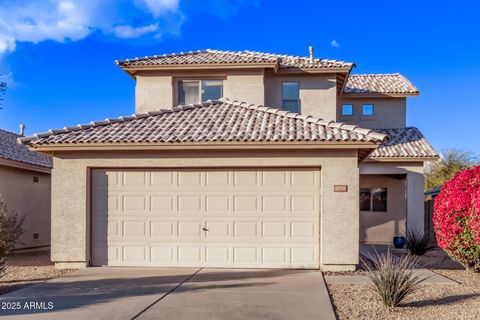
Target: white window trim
{"points": [[199, 86], [298, 99]]}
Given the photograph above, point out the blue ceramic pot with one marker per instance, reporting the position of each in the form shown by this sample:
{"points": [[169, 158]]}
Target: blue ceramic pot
{"points": [[399, 242]]}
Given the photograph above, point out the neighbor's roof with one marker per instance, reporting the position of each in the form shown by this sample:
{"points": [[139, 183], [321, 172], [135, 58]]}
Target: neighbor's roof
{"points": [[12, 151], [212, 122], [380, 83], [215, 57], [404, 143]]}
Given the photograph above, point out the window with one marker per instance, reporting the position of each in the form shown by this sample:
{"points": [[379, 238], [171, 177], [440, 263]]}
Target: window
{"points": [[368, 110], [195, 91], [347, 109], [373, 199], [290, 96]]}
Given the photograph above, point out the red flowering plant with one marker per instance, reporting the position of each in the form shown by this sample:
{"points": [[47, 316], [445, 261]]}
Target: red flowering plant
{"points": [[457, 218]]}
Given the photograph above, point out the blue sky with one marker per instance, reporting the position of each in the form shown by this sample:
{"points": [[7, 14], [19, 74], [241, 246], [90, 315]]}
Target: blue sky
{"points": [[58, 56]]}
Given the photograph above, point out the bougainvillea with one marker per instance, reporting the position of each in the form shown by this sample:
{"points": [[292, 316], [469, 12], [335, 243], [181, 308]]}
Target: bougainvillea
{"points": [[457, 218]]}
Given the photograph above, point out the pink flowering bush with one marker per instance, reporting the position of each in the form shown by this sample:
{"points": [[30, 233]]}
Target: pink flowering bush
{"points": [[457, 218]]}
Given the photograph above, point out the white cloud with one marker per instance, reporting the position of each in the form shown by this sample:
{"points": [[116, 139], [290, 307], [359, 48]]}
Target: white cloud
{"points": [[158, 7], [70, 20], [35, 21], [129, 32], [335, 44]]}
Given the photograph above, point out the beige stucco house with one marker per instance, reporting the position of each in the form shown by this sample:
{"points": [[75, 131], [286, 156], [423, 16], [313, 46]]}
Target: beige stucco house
{"points": [[289, 162], [25, 187]]}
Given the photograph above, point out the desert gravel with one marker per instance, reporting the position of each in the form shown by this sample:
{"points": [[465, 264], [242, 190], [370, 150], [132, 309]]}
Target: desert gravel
{"points": [[432, 301], [28, 268]]}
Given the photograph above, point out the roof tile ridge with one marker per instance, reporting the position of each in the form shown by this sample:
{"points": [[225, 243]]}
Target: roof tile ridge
{"points": [[109, 121], [155, 56]]}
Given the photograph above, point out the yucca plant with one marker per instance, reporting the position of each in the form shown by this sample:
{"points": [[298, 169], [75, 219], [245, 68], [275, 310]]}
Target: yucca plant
{"points": [[392, 278], [417, 242]]}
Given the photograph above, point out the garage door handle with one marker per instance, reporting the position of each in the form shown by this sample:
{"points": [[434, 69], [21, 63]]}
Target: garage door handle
{"points": [[204, 229]]}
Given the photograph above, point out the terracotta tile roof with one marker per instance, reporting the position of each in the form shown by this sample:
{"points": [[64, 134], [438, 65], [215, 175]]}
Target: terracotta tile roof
{"points": [[380, 83], [12, 151], [213, 121], [210, 56], [404, 143]]}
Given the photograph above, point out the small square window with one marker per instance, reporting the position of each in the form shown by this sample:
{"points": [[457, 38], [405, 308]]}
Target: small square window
{"points": [[368, 109], [347, 109], [373, 199]]}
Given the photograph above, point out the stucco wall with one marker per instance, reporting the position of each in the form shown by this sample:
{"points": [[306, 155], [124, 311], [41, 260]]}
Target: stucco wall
{"points": [[381, 227], [160, 89], [243, 86], [28, 198], [339, 210], [414, 187], [389, 112], [153, 91], [318, 93]]}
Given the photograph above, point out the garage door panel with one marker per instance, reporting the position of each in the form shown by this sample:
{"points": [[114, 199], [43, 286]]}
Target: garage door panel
{"points": [[162, 229], [220, 218]]}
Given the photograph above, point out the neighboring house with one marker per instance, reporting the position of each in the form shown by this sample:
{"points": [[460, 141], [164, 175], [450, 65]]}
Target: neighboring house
{"points": [[25, 187], [232, 183]]}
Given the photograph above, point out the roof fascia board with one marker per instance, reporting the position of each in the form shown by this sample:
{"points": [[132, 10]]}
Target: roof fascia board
{"points": [[378, 95], [400, 159], [25, 166], [203, 146]]}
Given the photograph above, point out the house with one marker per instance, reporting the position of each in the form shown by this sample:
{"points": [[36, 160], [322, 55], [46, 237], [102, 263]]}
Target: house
{"points": [[288, 162], [25, 187]]}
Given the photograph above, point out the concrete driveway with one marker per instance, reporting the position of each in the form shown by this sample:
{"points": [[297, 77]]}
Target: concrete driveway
{"points": [[176, 293]]}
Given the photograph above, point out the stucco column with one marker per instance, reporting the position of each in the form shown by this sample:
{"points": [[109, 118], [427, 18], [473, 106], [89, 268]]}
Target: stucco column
{"points": [[415, 207], [340, 215], [69, 214]]}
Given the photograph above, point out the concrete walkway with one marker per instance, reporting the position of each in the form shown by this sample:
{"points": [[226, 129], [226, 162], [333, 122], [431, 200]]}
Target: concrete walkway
{"points": [[174, 293]]}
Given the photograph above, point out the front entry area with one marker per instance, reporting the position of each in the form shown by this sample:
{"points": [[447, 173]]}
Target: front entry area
{"points": [[231, 217]]}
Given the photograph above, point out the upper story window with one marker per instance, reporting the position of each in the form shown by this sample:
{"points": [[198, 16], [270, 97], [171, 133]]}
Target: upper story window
{"points": [[291, 96], [368, 109], [195, 91], [347, 109], [373, 199]]}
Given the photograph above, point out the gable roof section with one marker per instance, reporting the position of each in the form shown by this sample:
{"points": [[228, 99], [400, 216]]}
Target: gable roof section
{"points": [[210, 122], [219, 57], [394, 84], [12, 151], [405, 143]]}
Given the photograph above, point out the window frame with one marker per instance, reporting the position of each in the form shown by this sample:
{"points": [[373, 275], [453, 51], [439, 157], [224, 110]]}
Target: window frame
{"points": [[298, 95], [200, 86], [370, 191], [341, 110], [363, 110]]}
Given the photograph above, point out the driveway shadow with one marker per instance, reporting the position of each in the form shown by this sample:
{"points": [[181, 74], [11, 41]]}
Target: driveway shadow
{"points": [[75, 291]]}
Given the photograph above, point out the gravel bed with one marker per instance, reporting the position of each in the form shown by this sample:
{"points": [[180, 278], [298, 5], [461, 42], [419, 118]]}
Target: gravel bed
{"points": [[432, 301], [28, 268]]}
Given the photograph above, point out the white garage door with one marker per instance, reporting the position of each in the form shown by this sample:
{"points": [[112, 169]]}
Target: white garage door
{"points": [[252, 218]]}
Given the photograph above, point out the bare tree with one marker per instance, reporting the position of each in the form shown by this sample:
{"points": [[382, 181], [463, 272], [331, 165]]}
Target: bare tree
{"points": [[450, 163], [10, 231], [3, 88]]}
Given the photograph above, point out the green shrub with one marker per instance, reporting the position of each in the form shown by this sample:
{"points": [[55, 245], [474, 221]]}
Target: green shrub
{"points": [[10, 231], [418, 243], [393, 278]]}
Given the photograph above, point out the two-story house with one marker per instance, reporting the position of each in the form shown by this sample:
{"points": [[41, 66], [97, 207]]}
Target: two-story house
{"points": [[239, 159]]}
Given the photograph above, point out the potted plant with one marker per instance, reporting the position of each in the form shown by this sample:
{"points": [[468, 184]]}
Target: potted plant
{"points": [[399, 242]]}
